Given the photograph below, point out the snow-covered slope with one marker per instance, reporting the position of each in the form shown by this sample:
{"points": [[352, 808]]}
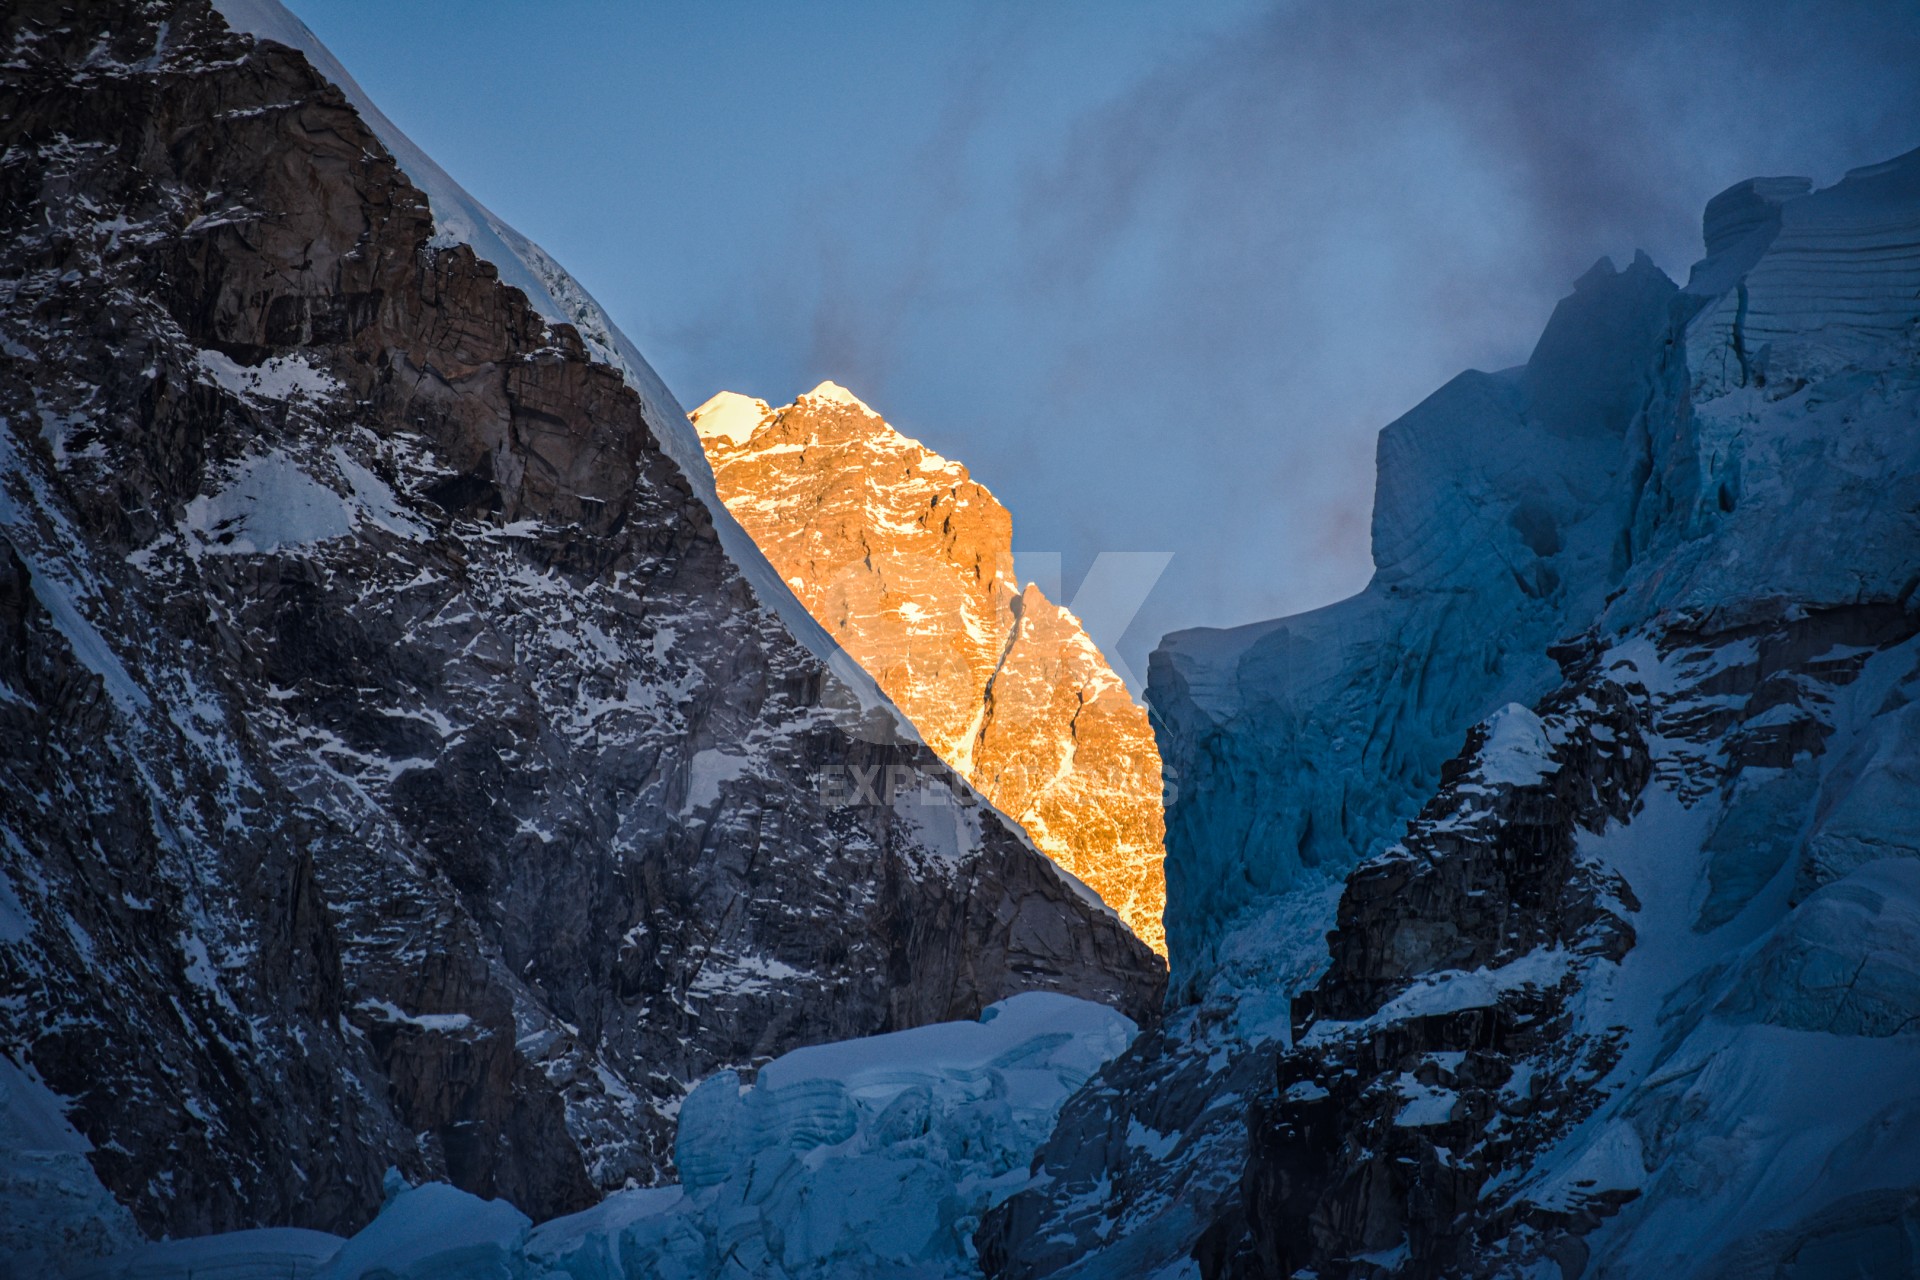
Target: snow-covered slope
{"points": [[1627, 984]]}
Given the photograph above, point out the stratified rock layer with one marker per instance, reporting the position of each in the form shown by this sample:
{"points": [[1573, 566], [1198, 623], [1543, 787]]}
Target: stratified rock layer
{"points": [[394, 768], [908, 563]]}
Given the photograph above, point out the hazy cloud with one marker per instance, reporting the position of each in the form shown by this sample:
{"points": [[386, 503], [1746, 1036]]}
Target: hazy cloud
{"points": [[1265, 250]]}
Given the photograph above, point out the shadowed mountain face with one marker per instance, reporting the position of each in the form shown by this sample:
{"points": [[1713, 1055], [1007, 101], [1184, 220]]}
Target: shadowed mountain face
{"points": [[908, 563], [395, 769]]}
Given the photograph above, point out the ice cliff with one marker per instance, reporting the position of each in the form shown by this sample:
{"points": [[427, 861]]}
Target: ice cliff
{"points": [[1547, 908]]}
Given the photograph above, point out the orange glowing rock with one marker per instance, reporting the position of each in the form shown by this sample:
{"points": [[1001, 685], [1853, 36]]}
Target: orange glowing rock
{"points": [[908, 564]]}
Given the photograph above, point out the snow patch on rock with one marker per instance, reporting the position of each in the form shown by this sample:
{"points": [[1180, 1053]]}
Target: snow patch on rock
{"points": [[706, 772], [270, 504], [1517, 753], [276, 378]]}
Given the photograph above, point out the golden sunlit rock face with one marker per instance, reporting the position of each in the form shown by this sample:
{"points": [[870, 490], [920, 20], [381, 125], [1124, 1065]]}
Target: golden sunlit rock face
{"points": [[908, 563]]}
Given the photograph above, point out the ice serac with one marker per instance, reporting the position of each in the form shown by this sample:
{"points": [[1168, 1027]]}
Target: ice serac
{"points": [[395, 767], [1610, 989], [865, 1158], [1302, 745], [907, 561]]}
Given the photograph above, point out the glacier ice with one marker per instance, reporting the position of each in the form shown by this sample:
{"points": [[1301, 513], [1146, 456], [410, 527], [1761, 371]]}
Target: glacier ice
{"points": [[1302, 744], [1721, 483], [871, 1158]]}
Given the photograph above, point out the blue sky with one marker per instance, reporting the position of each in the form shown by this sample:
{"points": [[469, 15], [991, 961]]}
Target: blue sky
{"points": [[1157, 273]]}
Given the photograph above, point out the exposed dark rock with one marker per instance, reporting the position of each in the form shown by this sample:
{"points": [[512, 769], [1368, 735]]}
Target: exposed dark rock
{"points": [[395, 768], [1462, 1028], [1437, 1049]]}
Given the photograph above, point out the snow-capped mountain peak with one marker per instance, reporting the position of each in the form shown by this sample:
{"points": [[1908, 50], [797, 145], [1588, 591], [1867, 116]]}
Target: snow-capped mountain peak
{"points": [[729, 416], [907, 561], [834, 393]]}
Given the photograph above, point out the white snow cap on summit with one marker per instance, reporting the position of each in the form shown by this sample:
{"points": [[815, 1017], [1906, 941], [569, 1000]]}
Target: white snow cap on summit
{"points": [[730, 415], [839, 395]]}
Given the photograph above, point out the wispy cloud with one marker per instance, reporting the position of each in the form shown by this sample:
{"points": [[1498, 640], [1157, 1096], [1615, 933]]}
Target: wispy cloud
{"points": [[1268, 248]]}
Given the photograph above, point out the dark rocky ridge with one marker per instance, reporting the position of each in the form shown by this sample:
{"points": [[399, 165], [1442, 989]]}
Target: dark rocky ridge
{"points": [[477, 808], [1488, 875], [1340, 1183]]}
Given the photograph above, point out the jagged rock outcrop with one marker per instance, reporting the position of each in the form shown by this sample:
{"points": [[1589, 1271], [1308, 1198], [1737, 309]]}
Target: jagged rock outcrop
{"points": [[908, 563], [1637, 1010], [1440, 1047], [395, 769], [1429, 1118], [1297, 746]]}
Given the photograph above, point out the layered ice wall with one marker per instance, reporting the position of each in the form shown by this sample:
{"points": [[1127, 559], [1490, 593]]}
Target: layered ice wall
{"points": [[1684, 539], [1781, 466], [1299, 746]]}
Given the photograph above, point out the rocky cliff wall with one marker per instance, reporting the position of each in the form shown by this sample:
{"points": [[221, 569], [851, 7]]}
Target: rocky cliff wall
{"points": [[397, 770]]}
